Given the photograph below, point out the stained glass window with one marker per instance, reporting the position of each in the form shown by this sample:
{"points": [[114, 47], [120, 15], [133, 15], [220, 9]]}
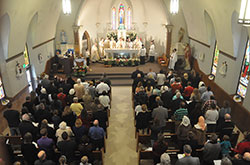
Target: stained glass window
{"points": [[2, 95], [215, 60], [113, 18], [26, 57], [121, 16], [129, 19], [245, 73]]}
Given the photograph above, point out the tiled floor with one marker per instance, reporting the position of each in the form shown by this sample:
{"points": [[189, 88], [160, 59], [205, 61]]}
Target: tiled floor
{"points": [[121, 143]]}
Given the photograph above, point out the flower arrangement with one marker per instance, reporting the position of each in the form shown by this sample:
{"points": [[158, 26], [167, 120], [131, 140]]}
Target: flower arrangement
{"points": [[80, 71], [112, 35], [131, 35], [122, 62]]}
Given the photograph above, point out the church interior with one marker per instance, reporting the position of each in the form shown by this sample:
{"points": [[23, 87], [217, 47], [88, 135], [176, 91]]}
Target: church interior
{"points": [[121, 82]]}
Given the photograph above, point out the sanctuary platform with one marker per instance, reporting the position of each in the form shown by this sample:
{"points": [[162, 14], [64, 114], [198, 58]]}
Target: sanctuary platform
{"points": [[119, 76]]}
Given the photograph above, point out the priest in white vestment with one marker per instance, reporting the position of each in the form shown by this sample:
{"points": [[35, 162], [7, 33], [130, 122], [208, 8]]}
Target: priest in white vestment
{"points": [[101, 48], [94, 53], [129, 44], [121, 44], [112, 43], [137, 43], [173, 59]]}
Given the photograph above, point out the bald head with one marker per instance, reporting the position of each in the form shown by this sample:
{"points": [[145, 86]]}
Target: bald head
{"points": [[96, 122], [41, 155], [227, 116], [246, 156]]}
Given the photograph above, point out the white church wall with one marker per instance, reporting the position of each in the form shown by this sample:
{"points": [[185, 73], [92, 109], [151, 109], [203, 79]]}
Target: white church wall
{"points": [[20, 18], [65, 23], [230, 81]]}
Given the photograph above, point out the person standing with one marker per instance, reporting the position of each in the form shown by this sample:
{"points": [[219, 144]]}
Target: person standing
{"points": [[152, 52], [87, 54], [142, 55], [13, 119], [94, 53], [173, 59], [79, 89]]}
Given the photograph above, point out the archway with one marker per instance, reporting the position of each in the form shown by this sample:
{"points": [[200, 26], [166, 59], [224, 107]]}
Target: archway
{"points": [[31, 68], [211, 37], [4, 45], [86, 41]]}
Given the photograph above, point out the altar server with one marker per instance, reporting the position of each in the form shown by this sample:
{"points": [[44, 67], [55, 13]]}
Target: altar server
{"points": [[152, 51], [142, 55], [94, 53], [87, 54], [173, 59]]}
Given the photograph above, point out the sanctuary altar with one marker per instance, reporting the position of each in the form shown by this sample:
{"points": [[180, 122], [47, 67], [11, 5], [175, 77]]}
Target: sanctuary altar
{"points": [[117, 53]]}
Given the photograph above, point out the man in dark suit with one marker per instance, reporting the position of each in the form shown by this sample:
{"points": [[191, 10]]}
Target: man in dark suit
{"points": [[13, 118], [135, 73], [188, 159]]}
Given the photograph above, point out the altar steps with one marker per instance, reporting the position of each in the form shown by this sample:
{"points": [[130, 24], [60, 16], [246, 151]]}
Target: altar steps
{"points": [[117, 79]]}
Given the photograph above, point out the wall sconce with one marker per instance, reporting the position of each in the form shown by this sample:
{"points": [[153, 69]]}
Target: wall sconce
{"points": [[223, 69]]}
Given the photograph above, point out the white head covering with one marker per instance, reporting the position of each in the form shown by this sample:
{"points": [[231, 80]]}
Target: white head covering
{"points": [[62, 125], [185, 121], [78, 81], [164, 89], [71, 91], [201, 83], [43, 91]]}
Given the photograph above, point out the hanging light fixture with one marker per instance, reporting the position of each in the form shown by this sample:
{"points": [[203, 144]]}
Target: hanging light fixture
{"points": [[174, 7], [66, 5], [244, 17]]}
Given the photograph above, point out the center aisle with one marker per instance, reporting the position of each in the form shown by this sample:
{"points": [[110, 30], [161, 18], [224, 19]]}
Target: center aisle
{"points": [[121, 142]]}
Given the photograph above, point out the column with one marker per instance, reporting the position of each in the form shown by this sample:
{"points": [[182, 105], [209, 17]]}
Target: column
{"points": [[169, 39], [76, 40]]}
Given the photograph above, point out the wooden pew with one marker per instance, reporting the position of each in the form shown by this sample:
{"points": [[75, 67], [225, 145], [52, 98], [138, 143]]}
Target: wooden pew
{"points": [[143, 139], [148, 155], [171, 139]]}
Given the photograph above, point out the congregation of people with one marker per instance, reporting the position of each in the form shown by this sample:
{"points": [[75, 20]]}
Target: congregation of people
{"points": [[185, 100], [61, 117]]}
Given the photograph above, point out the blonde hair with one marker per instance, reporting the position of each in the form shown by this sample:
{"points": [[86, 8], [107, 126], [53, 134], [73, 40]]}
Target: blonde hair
{"points": [[78, 123]]}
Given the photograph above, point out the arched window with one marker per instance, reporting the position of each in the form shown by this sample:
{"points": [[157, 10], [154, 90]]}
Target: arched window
{"points": [[113, 18], [245, 73], [129, 19], [215, 60]]}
